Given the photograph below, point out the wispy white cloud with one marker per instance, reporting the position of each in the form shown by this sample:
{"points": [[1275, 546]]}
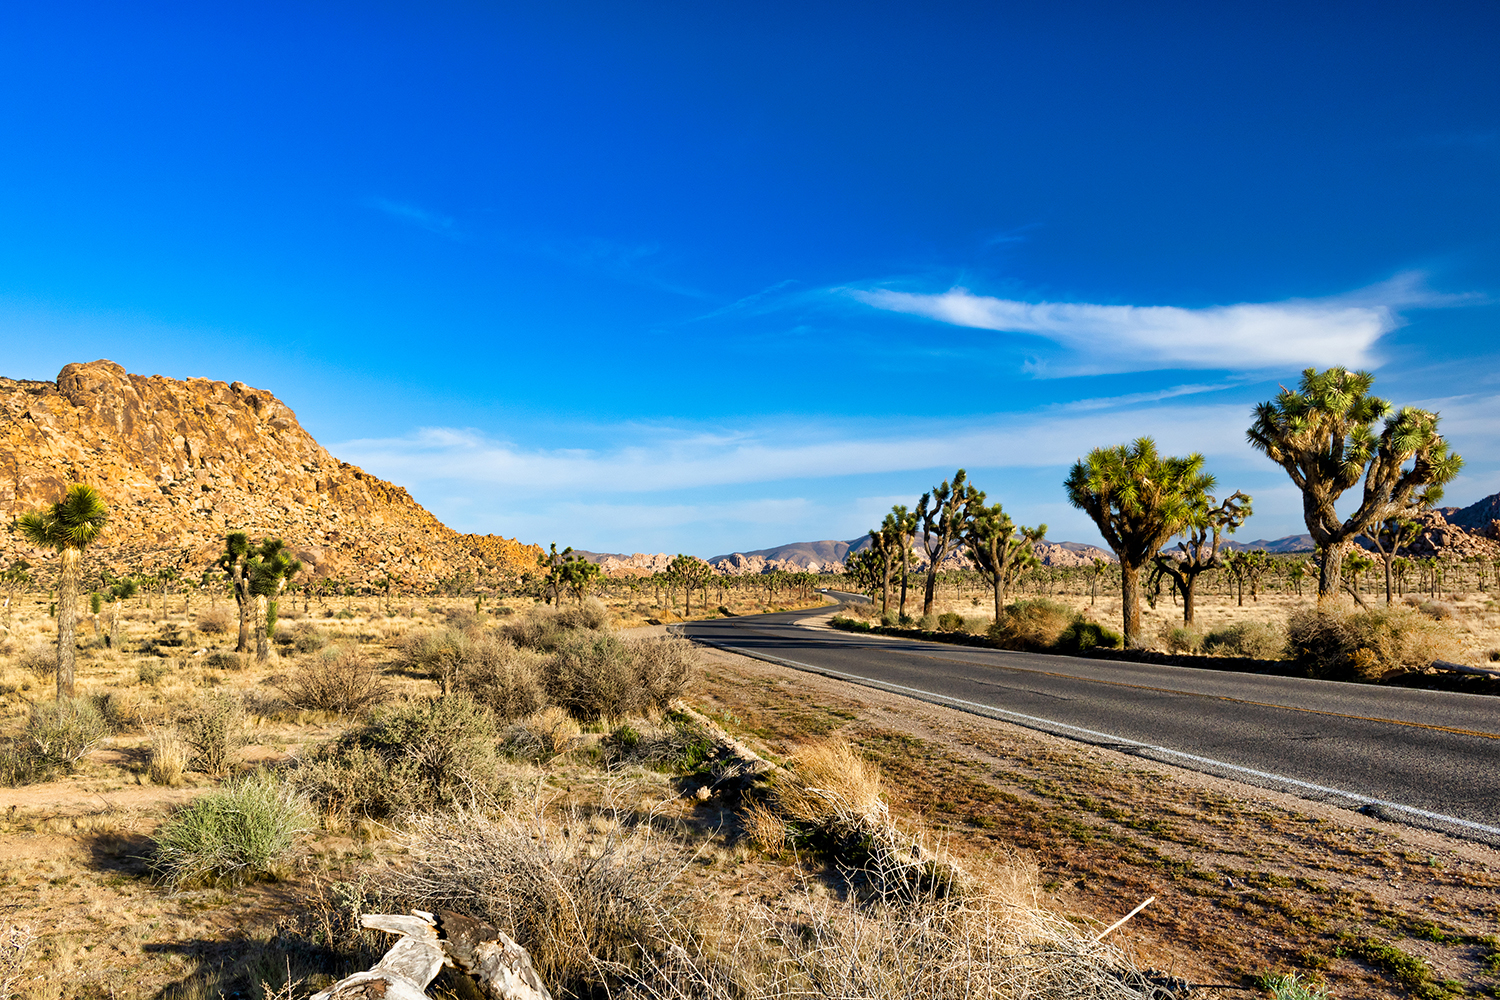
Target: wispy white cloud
{"points": [[406, 212], [1342, 330], [676, 460]]}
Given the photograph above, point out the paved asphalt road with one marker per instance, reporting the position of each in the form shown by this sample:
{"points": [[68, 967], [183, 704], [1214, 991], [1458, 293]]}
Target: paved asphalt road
{"points": [[1429, 758]]}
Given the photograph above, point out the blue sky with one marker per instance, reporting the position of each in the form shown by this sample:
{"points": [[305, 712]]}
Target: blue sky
{"points": [[705, 277]]}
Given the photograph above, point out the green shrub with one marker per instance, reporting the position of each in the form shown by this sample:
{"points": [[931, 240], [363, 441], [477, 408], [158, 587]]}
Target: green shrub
{"points": [[233, 835], [1367, 645], [547, 631], [151, 671], [1258, 640], [1180, 639], [950, 621], [1034, 625], [416, 757], [340, 679], [214, 731], [928, 623], [1081, 636], [61, 733], [225, 659], [888, 619]]}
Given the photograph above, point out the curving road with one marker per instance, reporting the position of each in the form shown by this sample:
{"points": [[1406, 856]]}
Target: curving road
{"points": [[1428, 758]]}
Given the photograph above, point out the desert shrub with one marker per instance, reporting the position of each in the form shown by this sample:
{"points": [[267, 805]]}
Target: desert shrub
{"points": [[928, 623], [1180, 639], [214, 731], [1439, 611], [439, 654], [463, 618], [224, 659], [594, 677], [1081, 635], [341, 679], [119, 709], [950, 621], [306, 637], [218, 621], [61, 733], [503, 677], [1259, 640], [547, 631], [889, 619], [420, 756], [39, 659], [243, 831], [169, 758], [591, 614], [151, 671], [831, 799], [1366, 645], [541, 736], [664, 667], [1034, 624], [591, 910], [678, 746]]}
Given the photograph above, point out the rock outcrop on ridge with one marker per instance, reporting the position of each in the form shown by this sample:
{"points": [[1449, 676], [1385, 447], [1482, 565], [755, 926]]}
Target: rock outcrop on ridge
{"points": [[183, 462]]}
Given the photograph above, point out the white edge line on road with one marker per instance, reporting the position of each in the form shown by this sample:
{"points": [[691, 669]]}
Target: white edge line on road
{"points": [[1049, 724]]}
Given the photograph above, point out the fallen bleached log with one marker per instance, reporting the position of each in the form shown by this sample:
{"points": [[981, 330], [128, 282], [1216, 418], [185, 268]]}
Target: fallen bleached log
{"points": [[429, 941]]}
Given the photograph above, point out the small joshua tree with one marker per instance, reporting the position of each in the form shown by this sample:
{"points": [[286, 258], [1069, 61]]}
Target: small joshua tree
{"points": [[1199, 550], [997, 548], [690, 572], [235, 562], [1323, 435], [268, 568], [68, 527]]}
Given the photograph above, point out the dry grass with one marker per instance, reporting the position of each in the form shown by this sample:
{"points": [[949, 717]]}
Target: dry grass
{"points": [[169, 757]]}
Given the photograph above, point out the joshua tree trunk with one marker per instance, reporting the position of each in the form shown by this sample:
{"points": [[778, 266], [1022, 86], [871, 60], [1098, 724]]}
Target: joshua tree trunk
{"points": [[1130, 594], [262, 641], [67, 619], [1330, 574], [929, 593]]}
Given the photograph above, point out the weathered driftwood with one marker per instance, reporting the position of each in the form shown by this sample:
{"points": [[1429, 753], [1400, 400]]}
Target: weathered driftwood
{"points": [[429, 941]]}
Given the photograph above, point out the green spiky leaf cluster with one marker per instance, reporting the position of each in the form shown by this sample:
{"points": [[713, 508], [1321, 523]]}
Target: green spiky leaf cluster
{"points": [[74, 522]]}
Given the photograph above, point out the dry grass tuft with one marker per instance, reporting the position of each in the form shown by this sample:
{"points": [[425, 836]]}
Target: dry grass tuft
{"points": [[169, 758], [542, 736]]}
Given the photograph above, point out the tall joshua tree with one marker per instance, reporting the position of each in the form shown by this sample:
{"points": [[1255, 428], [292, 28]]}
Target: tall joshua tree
{"points": [[897, 529], [942, 512], [1323, 435], [269, 568], [1139, 500], [68, 526], [1200, 548]]}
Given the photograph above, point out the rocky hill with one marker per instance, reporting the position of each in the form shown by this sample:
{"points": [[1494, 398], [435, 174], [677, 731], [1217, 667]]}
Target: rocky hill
{"points": [[183, 462]]}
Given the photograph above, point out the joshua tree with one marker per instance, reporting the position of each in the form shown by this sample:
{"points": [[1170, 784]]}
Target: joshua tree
{"points": [[1139, 500], [580, 576], [1323, 435], [897, 529], [942, 512], [269, 567], [13, 579], [1200, 549], [997, 549], [1388, 538], [879, 557], [68, 526], [1356, 564], [235, 563], [691, 572]]}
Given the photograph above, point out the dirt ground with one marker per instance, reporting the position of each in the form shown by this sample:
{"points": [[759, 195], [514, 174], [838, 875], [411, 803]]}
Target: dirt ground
{"points": [[1245, 881]]}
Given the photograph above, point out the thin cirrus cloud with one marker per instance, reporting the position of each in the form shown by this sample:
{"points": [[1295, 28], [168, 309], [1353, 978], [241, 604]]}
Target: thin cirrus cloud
{"points": [[1342, 330]]}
